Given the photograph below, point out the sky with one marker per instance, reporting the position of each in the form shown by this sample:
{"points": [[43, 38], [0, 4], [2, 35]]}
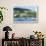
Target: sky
{"points": [[32, 7]]}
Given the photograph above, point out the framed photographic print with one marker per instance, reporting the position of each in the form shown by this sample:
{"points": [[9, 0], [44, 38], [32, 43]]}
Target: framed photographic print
{"points": [[25, 14]]}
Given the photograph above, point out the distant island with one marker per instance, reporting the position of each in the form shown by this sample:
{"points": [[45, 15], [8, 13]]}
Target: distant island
{"points": [[20, 9]]}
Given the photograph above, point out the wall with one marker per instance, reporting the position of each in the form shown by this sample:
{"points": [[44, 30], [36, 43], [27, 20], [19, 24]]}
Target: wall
{"points": [[23, 29]]}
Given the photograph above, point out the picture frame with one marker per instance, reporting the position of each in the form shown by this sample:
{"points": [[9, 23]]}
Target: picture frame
{"points": [[25, 14]]}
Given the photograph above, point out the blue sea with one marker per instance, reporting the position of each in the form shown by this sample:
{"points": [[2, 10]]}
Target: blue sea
{"points": [[25, 19]]}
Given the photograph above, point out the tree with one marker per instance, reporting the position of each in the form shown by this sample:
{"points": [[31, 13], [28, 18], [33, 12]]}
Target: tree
{"points": [[1, 15]]}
